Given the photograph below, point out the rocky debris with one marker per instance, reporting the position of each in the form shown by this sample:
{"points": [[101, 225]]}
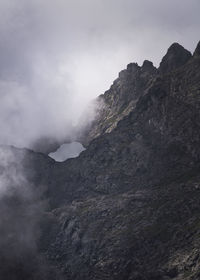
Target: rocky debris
{"points": [[146, 234]]}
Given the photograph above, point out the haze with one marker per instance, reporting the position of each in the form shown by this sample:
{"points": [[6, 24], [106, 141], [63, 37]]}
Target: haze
{"points": [[57, 56]]}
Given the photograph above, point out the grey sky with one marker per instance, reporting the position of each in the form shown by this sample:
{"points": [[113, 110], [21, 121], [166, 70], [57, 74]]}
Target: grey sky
{"points": [[55, 56]]}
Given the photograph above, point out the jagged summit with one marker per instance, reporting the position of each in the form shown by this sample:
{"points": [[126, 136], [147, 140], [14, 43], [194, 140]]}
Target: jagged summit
{"points": [[132, 67], [129, 206], [132, 199], [148, 66], [197, 50], [175, 57]]}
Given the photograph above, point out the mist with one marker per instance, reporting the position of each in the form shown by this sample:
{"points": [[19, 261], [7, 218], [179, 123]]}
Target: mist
{"points": [[22, 207], [56, 57]]}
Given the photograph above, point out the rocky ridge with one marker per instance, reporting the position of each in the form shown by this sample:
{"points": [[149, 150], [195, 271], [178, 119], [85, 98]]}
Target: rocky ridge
{"points": [[121, 98], [129, 206], [135, 204]]}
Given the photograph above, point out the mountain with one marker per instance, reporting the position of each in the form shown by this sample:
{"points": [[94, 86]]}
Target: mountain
{"points": [[129, 206]]}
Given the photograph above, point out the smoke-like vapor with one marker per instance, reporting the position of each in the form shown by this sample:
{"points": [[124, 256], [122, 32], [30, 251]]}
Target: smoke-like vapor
{"points": [[21, 208], [55, 57]]}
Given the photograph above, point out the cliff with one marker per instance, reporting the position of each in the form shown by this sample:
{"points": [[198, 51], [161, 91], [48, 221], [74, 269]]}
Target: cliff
{"points": [[129, 206]]}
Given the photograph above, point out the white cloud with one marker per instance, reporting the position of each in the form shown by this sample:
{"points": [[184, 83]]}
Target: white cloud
{"points": [[57, 56]]}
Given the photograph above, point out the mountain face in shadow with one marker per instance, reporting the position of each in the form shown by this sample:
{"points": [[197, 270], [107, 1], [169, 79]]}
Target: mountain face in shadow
{"points": [[129, 206]]}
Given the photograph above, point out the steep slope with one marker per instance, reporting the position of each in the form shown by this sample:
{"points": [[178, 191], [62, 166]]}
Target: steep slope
{"points": [[176, 57], [121, 98], [131, 84], [129, 206], [160, 134]]}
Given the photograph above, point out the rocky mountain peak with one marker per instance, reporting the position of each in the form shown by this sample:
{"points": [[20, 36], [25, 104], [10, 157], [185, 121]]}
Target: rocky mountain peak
{"points": [[132, 67], [148, 66], [175, 57], [129, 206], [197, 50]]}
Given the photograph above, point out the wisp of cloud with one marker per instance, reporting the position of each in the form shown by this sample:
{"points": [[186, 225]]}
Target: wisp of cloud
{"points": [[58, 56]]}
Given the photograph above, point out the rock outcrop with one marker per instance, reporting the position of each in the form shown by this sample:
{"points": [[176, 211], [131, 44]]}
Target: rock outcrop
{"points": [[121, 98], [175, 57], [131, 200], [129, 206], [197, 50]]}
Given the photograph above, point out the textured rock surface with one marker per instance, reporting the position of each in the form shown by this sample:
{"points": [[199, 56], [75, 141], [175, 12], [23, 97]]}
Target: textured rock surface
{"points": [[129, 206], [175, 57], [197, 50], [131, 201], [121, 98]]}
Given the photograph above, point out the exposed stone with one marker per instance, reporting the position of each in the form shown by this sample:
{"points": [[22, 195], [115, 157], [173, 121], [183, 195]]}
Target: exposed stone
{"points": [[121, 98], [175, 57], [197, 50], [147, 66], [129, 206]]}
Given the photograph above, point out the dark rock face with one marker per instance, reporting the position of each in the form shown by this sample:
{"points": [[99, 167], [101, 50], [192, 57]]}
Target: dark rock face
{"points": [[197, 50], [129, 206], [121, 98], [176, 56]]}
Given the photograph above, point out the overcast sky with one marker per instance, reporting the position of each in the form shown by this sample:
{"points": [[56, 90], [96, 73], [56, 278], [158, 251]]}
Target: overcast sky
{"points": [[55, 56]]}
